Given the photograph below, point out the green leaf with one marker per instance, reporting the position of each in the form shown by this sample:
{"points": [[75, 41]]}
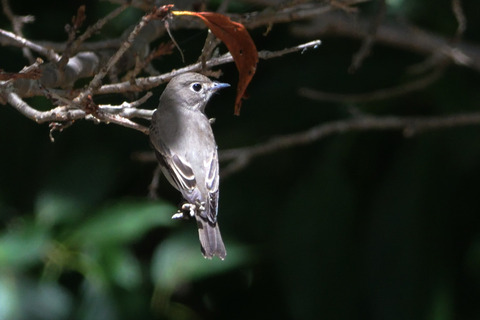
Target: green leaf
{"points": [[9, 297], [96, 302], [23, 245], [55, 206], [46, 300], [122, 223], [123, 267], [178, 260]]}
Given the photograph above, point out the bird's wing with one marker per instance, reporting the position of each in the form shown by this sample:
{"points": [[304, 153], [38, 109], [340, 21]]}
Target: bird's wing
{"points": [[211, 183], [178, 170]]}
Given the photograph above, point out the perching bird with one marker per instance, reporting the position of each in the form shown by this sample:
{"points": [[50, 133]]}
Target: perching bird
{"points": [[187, 153]]}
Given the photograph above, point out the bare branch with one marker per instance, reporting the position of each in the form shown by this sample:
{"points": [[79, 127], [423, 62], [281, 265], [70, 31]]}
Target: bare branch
{"points": [[107, 114], [99, 67], [327, 21], [393, 34], [129, 109], [9, 38], [302, 11], [86, 46], [17, 23], [142, 84], [265, 55], [96, 81], [120, 114], [122, 121], [57, 114], [99, 24], [241, 157], [382, 94]]}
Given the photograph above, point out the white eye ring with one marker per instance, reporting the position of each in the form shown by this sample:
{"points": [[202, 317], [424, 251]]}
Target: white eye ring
{"points": [[196, 87]]}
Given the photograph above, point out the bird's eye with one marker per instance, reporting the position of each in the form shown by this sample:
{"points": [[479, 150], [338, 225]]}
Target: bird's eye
{"points": [[196, 87]]}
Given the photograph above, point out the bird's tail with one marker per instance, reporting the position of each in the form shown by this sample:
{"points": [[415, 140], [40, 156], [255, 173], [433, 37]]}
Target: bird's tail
{"points": [[210, 239]]}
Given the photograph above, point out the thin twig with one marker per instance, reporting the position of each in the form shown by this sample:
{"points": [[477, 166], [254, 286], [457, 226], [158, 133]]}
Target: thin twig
{"points": [[17, 23], [265, 55], [97, 80], [100, 24], [301, 11], [369, 40], [167, 28], [153, 186], [72, 31], [461, 19], [145, 63], [24, 43], [129, 109], [122, 121], [382, 94]]}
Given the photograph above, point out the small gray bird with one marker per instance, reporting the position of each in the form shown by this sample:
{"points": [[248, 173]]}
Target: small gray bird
{"points": [[187, 153]]}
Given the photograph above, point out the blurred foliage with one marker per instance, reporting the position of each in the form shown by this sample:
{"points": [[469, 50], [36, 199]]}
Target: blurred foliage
{"points": [[366, 225]]}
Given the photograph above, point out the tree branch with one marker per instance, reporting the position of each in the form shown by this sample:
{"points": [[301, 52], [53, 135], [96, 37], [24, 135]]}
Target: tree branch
{"points": [[17, 24], [9, 38], [301, 11], [108, 114], [96, 81], [324, 21], [397, 35], [380, 94], [237, 159], [120, 114], [142, 84], [240, 157]]}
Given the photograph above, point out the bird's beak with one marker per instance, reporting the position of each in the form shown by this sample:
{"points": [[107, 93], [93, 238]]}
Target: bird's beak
{"points": [[219, 85]]}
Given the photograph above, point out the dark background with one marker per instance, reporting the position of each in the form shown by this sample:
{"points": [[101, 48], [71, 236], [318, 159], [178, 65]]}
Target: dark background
{"points": [[360, 225]]}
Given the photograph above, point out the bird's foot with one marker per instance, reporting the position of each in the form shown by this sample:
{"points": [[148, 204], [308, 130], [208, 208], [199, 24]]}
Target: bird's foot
{"points": [[179, 215], [188, 210]]}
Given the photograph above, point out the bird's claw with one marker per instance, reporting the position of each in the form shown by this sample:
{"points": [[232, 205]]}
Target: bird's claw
{"points": [[178, 215], [189, 208]]}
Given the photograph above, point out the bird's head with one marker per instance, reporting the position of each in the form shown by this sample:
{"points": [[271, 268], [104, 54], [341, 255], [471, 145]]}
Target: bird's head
{"points": [[191, 90]]}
